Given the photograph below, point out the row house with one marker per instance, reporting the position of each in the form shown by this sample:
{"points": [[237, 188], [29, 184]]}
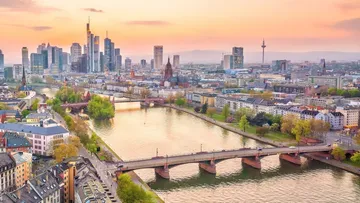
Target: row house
{"points": [[257, 104]]}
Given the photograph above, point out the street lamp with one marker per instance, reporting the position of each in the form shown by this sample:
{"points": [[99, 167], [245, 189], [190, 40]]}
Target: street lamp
{"points": [[157, 152], [200, 147]]}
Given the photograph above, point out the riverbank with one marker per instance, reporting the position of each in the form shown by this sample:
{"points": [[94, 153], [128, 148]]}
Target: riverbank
{"points": [[344, 166], [135, 178]]}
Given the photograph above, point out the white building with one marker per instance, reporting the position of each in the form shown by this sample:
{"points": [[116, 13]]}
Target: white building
{"points": [[41, 138], [336, 120], [351, 115]]}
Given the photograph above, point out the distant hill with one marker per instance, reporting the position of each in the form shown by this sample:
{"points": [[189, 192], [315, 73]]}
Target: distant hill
{"points": [[215, 56]]}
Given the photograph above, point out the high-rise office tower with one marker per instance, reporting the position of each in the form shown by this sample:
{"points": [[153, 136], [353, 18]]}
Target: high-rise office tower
{"points": [[91, 48], [66, 62], [118, 59], [112, 50], [41, 48], [96, 67], [57, 60], [49, 51], [8, 73], [127, 63], [176, 62], [37, 63], [109, 54], [1, 61], [75, 51], [152, 64], [102, 62], [238, 57], [228, 62], [85, 49], [17, 70], [25, 58], [143, 63], [45, 56], [158, 57]]}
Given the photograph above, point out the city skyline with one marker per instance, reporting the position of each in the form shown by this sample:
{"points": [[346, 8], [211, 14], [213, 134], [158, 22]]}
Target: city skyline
{"points": [[203, 25]]}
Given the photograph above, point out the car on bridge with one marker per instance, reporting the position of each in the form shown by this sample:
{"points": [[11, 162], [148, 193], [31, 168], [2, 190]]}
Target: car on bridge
{"points": [[292, 147]]}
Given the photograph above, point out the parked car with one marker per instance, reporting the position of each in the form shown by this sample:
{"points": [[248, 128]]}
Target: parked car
{"points": [[292, 147]]}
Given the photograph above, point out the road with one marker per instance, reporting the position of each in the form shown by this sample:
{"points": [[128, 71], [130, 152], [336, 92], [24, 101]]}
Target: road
{"points": [[216, 155], [102, 168], [344, 140]]}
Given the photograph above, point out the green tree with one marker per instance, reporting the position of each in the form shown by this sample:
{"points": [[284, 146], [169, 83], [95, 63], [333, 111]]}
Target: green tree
{"points": [[262, 131], [100, 108], [250, 113], [12, 120], [35, 104], [244, 123], [64, 151], [355, 158], [226, 111], [4, 106], [25, 113], [288, 123], [180, 101], [332, 91], [36, 79], [20, 95], [275, 127], [204, 108], [338, 153], [92, 147], [129, 192], [210, 112], [301, 129]]}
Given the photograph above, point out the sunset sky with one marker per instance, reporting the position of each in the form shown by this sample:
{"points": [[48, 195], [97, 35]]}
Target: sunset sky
{"points": [[181, 25]]}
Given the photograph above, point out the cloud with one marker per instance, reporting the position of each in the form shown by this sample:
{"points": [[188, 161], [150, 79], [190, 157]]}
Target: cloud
{"points": [[25, 6], [93, 10], [351, 25], [149, 23], [348, 5], [34, 28]]}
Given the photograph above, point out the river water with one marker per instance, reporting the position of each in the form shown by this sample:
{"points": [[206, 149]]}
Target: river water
{"points": [[140, 133]]}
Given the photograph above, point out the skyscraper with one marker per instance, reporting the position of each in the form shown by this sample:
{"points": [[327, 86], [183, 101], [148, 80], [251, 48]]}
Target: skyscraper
{"points": [[1, 61], [176, 61], [37, 63], [228, 62], [66, 61], [109, 54], [25, 58], [17, 68], [118, 59], [57, 61], [41, 48], [45, 56], [96, 67], [152, 64], [102, 60], [49, 51], [143, 63], [238, 57], [127, 63], [158, 57], [75, 51]]}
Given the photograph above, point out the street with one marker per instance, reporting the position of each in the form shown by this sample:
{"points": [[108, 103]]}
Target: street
{"points": [[102, 168]]}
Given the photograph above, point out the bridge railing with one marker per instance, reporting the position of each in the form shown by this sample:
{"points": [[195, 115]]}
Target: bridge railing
{"points": [[185, 154]]}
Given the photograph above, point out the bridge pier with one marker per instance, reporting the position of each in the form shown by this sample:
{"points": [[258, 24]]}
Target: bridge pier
{"points": [[252, 161], [209, 167], [163, 172], [292, 158]]}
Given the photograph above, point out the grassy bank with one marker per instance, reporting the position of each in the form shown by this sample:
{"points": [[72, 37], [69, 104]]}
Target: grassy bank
{"points": [[352, 163], [275, 136]]}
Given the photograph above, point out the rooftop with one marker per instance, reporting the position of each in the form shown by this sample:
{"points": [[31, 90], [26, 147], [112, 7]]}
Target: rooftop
{"points": [[14, 140], [15, 127], [5, 160]]}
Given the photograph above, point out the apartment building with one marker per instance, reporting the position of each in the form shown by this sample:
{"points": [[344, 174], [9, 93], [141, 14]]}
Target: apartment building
{"points": [[7, 173], [351, 115], [43, 139], [23, 170]]}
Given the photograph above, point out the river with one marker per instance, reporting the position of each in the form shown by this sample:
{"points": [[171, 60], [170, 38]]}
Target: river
{"points": [[140, 133]]}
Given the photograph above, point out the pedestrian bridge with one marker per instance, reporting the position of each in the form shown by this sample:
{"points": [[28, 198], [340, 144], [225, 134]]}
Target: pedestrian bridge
{"points": [[207, 160]]}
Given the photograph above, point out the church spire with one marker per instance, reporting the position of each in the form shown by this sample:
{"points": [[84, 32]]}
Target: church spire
{"points": [[23, 80]]}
